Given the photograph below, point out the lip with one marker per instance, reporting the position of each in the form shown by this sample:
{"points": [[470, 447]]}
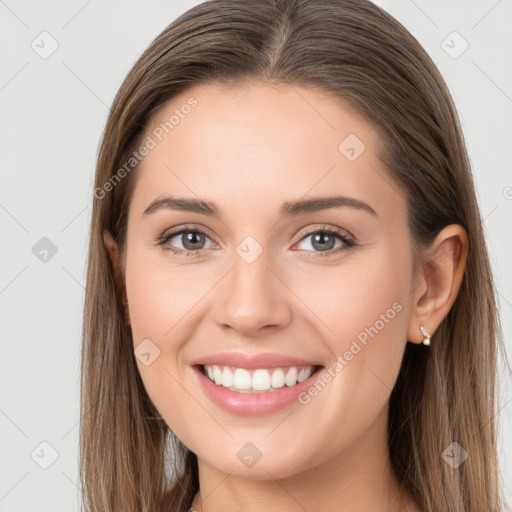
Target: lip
{"points": [[252, 404], [242, 360]]}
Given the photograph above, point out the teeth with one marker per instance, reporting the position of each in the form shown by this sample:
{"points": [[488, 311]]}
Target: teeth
{"points": [[227, 378], [241, 379], [291, 377], [217, 375], [278, 378], [260, 380], [302, 375]]}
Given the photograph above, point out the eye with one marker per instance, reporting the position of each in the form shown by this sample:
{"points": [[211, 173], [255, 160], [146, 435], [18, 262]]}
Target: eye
{"points": [[323, 240], [191, 239]]}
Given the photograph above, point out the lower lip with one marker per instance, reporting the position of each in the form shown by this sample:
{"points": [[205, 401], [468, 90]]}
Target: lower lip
{"points": [[253, 404]]}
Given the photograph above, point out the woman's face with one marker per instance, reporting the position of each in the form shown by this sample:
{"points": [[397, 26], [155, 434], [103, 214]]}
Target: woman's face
{"points": [[263, 277]]}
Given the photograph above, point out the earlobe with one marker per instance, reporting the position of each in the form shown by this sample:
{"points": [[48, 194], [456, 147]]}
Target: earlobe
{"points": [[115, 259], [441, 278]]}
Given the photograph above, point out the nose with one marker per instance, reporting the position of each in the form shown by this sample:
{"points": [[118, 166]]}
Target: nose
{"points": [[253, 298]]}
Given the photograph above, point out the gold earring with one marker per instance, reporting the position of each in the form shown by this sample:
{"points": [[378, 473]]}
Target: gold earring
{"points": [[426, 341]]}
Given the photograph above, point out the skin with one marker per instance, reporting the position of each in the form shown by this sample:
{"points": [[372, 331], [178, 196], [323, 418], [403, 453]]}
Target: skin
{"points": [[280, 143]]}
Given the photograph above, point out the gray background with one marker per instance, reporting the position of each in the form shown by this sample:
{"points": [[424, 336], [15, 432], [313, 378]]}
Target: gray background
{"points": [[53, 111]]}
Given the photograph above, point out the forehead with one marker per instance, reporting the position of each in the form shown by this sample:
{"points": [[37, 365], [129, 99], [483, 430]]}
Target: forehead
{"points": [[247, 147]]}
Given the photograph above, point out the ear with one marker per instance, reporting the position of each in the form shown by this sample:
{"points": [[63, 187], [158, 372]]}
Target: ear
{"points": [[115, 259], [438, 282]]}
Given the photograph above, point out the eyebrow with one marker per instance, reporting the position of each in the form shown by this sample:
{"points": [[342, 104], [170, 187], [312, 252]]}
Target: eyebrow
{"points": [[288, 209]]}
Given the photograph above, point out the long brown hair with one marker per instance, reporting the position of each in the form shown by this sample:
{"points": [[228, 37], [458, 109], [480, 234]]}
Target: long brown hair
{"points": [[352, 49]]}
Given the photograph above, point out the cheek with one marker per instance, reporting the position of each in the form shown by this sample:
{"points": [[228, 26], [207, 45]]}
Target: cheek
{"points": [[362, 298], [161, 296], [361, 310], [156, 306], [165, 301]]}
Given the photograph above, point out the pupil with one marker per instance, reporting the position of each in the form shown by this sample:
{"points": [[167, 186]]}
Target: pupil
{"points": [[191, 237], [320, 239]]}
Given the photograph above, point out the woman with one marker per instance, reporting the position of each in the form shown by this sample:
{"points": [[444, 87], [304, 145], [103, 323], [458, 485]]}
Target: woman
{"points": [[289, 300]]}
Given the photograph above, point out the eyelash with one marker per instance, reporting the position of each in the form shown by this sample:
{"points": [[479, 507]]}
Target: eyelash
{"points": [[348, 242]]}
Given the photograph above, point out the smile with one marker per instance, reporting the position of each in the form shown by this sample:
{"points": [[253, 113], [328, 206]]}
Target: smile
{"points": [[254, 392], [242, 380]]}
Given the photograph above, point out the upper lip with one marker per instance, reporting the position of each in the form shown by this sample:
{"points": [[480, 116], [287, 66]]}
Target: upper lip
{"points": [[240, 360]]}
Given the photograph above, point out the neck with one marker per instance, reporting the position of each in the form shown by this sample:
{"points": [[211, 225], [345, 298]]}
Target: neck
{"points": [[359, 478]]}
